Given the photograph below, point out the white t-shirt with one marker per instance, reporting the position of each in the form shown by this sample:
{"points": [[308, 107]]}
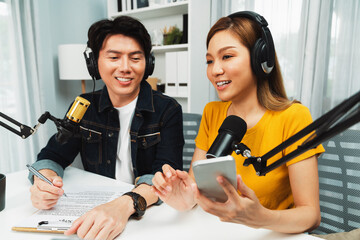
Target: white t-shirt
{"points": [[124, 167]]}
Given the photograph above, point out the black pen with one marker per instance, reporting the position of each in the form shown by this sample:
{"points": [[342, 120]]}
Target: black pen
{"points": [[39, 175]]}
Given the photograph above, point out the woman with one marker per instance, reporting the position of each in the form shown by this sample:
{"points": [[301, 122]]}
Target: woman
{"points": [[243, 68]]}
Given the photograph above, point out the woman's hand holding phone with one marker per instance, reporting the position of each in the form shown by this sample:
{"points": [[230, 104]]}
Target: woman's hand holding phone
{"points": [[206, 172]]}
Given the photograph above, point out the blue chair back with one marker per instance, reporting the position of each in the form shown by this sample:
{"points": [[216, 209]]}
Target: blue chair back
{"points": [[191, 123], [339, 179]]}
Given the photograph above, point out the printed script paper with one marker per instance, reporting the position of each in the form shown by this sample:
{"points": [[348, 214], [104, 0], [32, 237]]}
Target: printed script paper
{"points": [[79, 200]]}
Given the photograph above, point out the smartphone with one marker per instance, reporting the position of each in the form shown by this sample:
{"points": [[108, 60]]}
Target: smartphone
{"points": [[206, 171]]}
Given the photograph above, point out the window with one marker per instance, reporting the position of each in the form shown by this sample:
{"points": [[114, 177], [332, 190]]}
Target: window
{"points": [[317, 47], [7, 97], [14, 151], [285, 34]]}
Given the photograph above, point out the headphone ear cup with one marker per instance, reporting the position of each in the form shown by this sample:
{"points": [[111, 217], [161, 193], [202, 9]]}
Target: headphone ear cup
{"points": [[92, 65], [150, 65], [257, 57]]}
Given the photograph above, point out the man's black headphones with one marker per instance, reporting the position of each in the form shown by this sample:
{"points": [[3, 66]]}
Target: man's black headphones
{"points": [[93, 69], [263, 51]]}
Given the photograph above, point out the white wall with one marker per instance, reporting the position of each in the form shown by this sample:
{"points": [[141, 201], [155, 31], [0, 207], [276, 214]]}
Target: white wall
{"points": [[62, 22], [201, 91]]}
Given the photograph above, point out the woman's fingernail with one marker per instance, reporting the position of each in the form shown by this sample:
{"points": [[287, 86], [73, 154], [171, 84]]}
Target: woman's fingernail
{"points": [[220, 179]]}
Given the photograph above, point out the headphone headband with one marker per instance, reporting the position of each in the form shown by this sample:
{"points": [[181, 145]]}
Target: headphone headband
{"points": [[252, 16], [263, 51]]}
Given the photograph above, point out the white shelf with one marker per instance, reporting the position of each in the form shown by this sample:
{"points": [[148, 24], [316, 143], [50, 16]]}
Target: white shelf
{"points": [[170, 48], [168, 9]]}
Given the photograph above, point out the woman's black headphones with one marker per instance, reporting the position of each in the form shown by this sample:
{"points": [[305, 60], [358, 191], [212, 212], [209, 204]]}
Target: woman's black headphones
{"points": [[263, 51], [93, 69]]}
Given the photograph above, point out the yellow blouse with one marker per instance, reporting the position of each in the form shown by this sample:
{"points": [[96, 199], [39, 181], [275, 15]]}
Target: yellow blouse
{"points": [[273, 190]]}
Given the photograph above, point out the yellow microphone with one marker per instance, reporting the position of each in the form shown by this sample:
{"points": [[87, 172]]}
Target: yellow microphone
{"points": [[70, 126], [78, 109]]}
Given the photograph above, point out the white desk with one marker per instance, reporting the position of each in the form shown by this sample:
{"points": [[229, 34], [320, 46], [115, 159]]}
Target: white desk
{"points": [[159, 222]]}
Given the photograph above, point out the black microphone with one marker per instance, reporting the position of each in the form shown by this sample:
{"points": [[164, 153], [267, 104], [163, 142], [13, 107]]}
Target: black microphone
{"points": [[231, 132], [69, 126]]}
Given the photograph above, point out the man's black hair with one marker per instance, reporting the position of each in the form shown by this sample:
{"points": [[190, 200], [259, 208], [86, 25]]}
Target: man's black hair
{"points": [[124, 25]]}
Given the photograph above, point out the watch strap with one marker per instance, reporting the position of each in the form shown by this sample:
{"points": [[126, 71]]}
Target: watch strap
{"points": [[136, 198]]}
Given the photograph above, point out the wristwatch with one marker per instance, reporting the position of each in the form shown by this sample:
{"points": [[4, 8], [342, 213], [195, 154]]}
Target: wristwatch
{"points": [[139, 204]]}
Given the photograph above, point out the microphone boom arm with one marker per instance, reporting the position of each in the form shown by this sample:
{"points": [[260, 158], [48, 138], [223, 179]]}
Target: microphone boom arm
{"points": [[67, 128], [26, 131], [337, 120]]}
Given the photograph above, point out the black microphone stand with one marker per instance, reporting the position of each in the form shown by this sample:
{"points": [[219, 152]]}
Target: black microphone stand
{"points": [[337, 120], [66, 129], [26, 131]]}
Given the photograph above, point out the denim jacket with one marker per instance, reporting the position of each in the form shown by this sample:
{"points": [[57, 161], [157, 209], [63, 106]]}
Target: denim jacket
{"points": [[156, 135]]}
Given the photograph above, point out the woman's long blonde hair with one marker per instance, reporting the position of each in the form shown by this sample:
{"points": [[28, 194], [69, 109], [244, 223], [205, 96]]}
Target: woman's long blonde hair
{"points": [[270, 91]]}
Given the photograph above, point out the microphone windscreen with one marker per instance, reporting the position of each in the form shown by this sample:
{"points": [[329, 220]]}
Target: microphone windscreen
{"points": [[234, 125], [78, 109]]}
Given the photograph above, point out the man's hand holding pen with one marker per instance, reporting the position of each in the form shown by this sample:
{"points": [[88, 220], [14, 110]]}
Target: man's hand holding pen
{"points": [[44, 195]]}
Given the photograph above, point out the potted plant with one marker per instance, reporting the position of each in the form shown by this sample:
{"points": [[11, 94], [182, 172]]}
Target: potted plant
{"points": [[172, 35]]}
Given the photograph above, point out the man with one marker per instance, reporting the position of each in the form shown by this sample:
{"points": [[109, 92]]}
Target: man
{"points": [[141, 130]]}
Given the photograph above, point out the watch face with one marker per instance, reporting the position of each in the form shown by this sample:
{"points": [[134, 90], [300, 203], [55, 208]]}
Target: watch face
{"points": [[141, 203]]}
